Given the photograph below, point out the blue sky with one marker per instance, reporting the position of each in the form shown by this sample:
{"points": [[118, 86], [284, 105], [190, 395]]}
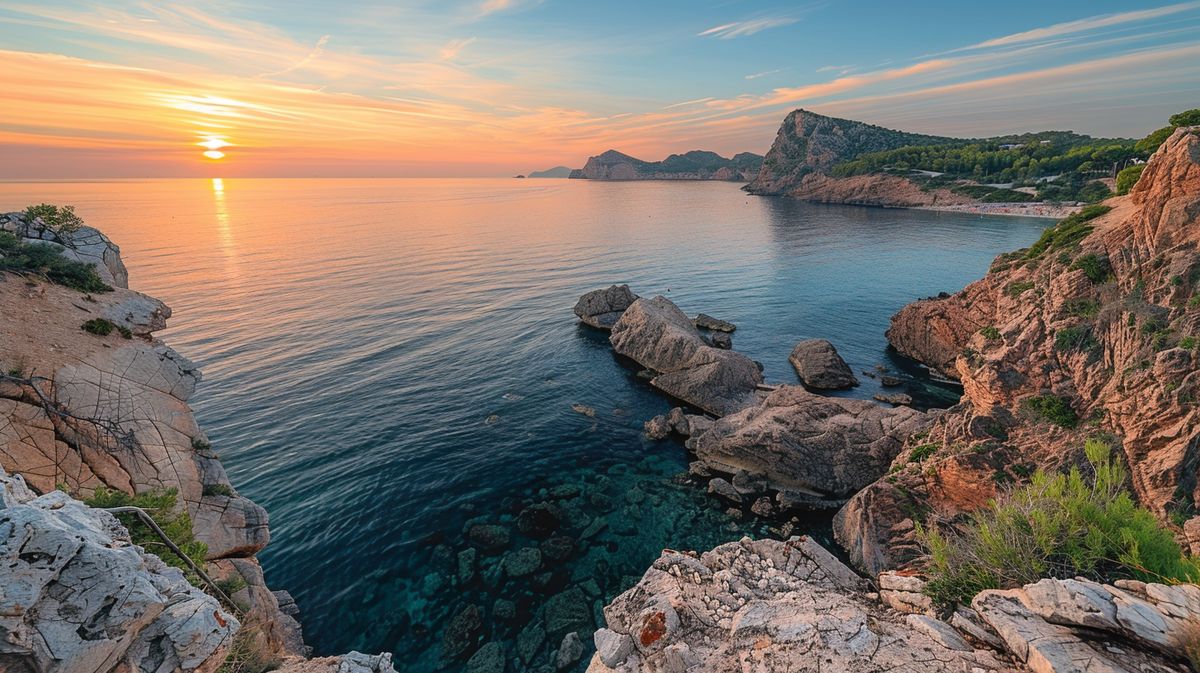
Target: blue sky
{"points": [[501, 86]]}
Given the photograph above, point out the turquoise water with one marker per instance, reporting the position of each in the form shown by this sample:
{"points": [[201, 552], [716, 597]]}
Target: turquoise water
{"points": [[357, 335]]}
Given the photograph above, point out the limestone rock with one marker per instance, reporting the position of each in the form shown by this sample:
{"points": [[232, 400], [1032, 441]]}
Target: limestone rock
{"points": [[78, 597], [657, 335], [820, 367], [86, 245], [809, 443], [602, 308], [351, 662], [765, 605], [569, 651]]}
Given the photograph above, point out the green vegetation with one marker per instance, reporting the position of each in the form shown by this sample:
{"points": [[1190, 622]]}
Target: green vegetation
{"points": [[217, 489], [990, 333], [1096, 267], [245, 653], [988, 194], [1128, 177], [1053, 409], [98, 326], [1146, 146], [920, 453], [1075, 338], [1082, 308], [45, 260], [1068, 232], [1058, 525], [1018, 288], [161, 506], [1186, 118], [1188, 343], [58, 219], [232, 584], [1008, 159]]}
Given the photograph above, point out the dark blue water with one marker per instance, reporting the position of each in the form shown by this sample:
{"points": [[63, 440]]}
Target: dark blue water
{"points": [[390, 361]]}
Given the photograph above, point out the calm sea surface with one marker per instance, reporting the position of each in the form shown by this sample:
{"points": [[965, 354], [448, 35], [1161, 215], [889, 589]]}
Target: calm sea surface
{"points": [[388, 362]]}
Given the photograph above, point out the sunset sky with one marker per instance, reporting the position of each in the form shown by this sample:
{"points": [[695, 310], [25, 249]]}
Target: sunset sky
{"points": [[496, 87]]}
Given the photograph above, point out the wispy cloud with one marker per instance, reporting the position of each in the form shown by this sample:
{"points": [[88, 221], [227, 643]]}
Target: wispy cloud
{"points": [[312, 55], [451, 49], [686, 103], [764, 73], [728, 31], [1088, 24]]}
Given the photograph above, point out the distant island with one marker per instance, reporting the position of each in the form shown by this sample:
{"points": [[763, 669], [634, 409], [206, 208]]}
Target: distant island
{"points": [[694, 165], [556, 172], [831, 160]]}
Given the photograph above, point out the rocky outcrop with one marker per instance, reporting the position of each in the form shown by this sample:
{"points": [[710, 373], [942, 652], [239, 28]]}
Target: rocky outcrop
{"points": [[766, 605], [694, 165], [819, 366], [809, 143], [1092, 329], [602, 308], [352, 662], [657, 335], [800, 442], [76, 596], [769, 605], [875, 189], [80, 411]]}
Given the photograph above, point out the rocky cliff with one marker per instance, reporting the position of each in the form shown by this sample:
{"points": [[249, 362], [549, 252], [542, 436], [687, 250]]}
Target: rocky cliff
{"points": [[694, 165], [809, 144], [1094, 329], [90, 400]]}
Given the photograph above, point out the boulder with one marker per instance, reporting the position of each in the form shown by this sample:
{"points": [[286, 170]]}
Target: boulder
{"points": [[721, 340], [351, 662], [820, 367], [602, 308], [569, 651], [657, 335], [79, 597], [705, 321], [800, 441]]}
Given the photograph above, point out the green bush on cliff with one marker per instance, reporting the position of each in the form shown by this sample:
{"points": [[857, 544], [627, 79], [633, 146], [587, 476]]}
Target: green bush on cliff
{"points": [[45, 259], [1186, 118], [1082, 523], [1052, 408], [1096, 267], [161, 506], [1069, 231], [1128, 177], [58, 219]]}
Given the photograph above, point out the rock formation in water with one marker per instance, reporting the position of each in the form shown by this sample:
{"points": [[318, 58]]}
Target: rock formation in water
{"points": [[819, 366], [694, 165], [90, 399], [657, 335], [774, 606], [1092, 329], [603, 308]]}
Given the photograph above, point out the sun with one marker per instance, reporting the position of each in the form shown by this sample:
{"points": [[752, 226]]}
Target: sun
{"points": [[213, 146]]}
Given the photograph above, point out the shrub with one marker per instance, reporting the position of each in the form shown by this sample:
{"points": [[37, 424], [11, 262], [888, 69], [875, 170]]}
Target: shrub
{"points": [[1058, 525], [1095, 267], [217, 489], [920, 453], [1128, 177], [98, 326], [1069, 231], [1053, 409], [990, 333], [1148, 145], [46, 260], [1076, 338], [1188, 343], [1082, 308], [160, 505], [1018, 288], [58, 219], [1186, 118]]}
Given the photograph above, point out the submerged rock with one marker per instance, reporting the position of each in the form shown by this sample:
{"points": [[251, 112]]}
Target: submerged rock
{"points": [[602, 308], [657, 335], [800, 441], [705, 321], [820, 367]]}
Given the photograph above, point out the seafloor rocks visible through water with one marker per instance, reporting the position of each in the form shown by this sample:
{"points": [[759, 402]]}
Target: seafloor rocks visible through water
{"points": [[76, 596], [799, 441], [820, 367], [602, 308], [657, 335]]}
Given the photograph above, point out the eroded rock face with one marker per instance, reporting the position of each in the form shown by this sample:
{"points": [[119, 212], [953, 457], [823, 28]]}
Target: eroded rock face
{"points": [[657, 335], [84, 245], [352, 662], [1102, 324], [765, 605], [800, 441], [602, 308], [819, 366], [77, 597]]}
